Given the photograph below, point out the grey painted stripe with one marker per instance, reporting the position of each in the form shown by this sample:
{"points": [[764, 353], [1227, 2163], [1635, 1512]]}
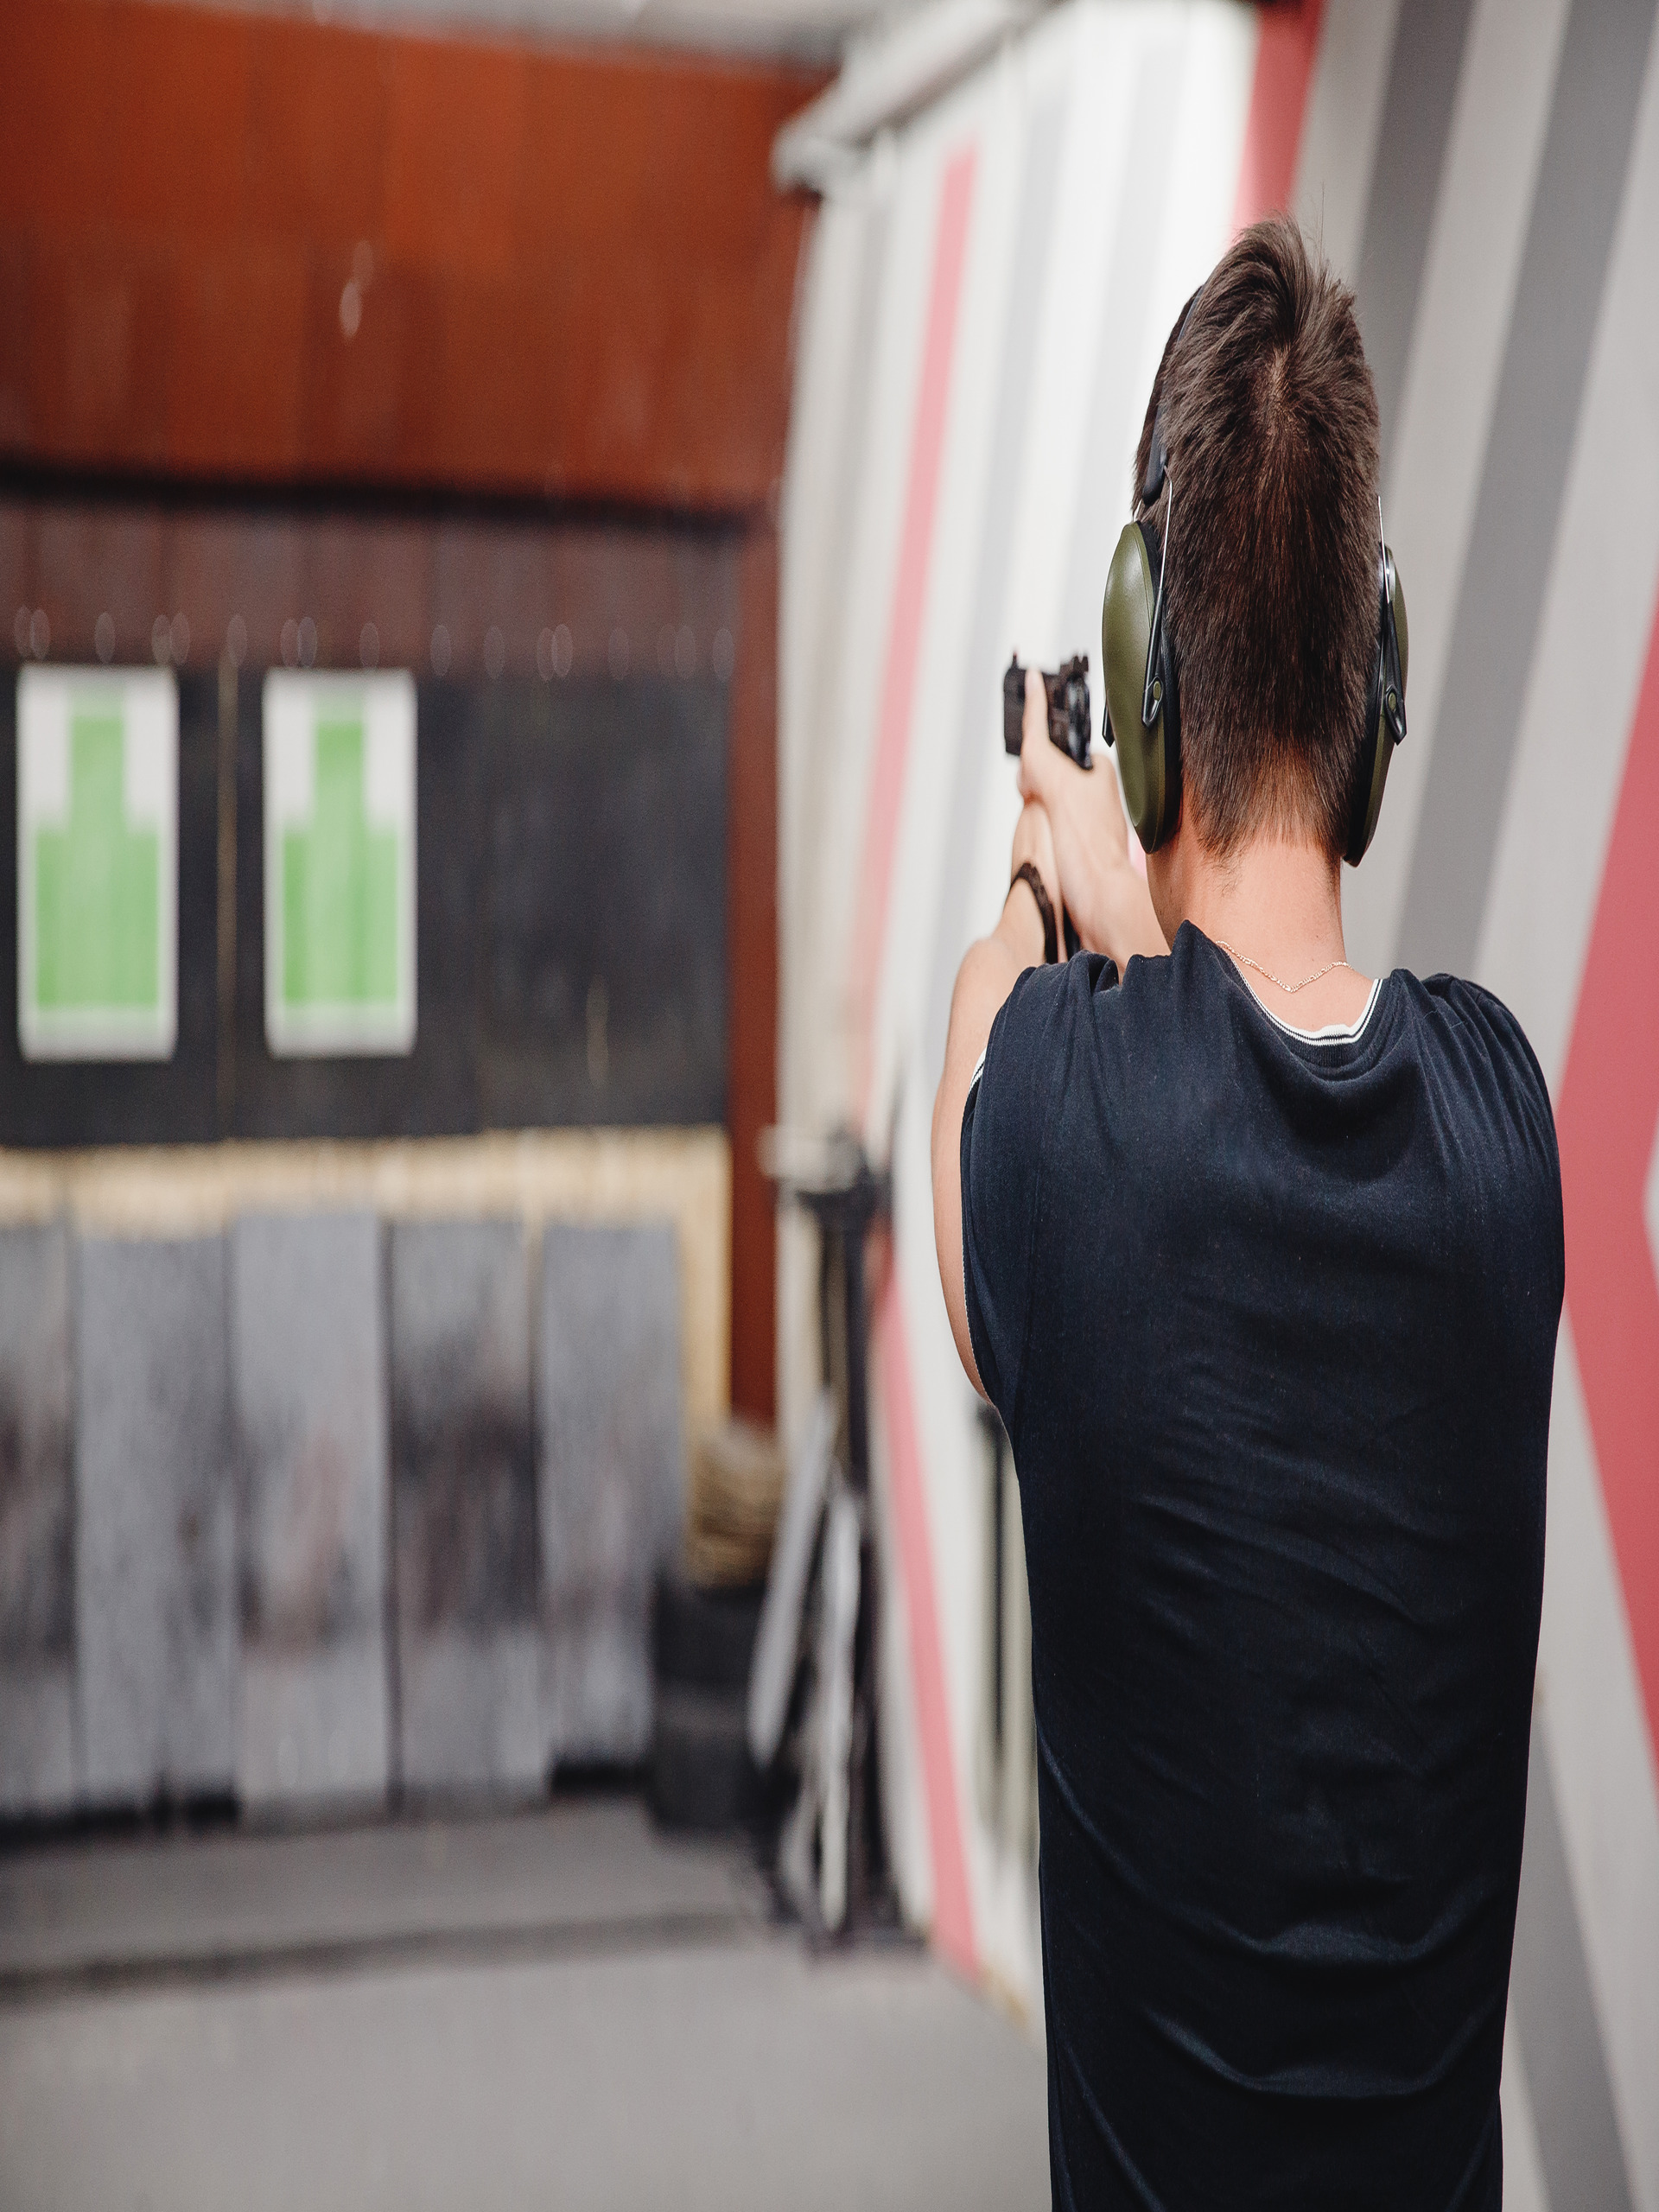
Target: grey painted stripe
{"points": [[1576, 209], [1429, 43], [1555, 2018], [1033, 227]]}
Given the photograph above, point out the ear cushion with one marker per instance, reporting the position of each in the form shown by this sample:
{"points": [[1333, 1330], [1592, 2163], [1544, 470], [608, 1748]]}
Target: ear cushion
{"points": [[1371, 773], [1377, 744], [1148, 760]]}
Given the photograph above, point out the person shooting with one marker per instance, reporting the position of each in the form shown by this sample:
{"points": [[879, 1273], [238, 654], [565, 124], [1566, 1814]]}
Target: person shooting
{"points": [[1261, 1261]]}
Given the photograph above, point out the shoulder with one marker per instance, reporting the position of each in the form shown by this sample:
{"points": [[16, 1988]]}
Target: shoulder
{"points": [[1028, 1058], [1488, 1092], [1039, 1032], [1137, 1033], [1041, 1014], [1470, 1026]]}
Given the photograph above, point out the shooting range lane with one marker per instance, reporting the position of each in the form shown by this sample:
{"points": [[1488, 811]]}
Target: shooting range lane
{"points": [[85, 1916], [433, 2014]]}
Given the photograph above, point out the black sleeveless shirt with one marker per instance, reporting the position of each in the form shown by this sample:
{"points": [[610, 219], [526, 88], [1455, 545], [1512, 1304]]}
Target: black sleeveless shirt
{"points": [[1271, 1323]]}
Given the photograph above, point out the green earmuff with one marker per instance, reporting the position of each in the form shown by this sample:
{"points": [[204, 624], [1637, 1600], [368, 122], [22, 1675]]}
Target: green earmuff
{"points": [[1142, 703]]}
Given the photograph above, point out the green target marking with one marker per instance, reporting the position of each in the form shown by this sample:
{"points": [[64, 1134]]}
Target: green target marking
{"points": [[98, 889], [340, 863], [340, 888], [96, 839]]}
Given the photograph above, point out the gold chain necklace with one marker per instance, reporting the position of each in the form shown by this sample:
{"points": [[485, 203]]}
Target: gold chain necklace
{"points": [[1289, 989]]}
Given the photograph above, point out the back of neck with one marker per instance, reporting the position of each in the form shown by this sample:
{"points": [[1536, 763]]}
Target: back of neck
{"points": [[1275, 907]]}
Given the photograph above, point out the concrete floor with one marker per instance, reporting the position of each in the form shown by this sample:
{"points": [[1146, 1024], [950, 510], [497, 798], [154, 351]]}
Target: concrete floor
{"points": [[559, 2009]]}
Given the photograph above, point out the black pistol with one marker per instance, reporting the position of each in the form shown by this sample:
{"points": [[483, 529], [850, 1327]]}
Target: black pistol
{"points": [[1068, 706]]}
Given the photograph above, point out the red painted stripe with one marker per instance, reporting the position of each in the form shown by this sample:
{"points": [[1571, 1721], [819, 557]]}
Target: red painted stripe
{"points": [[909, 600], [953, 1927], [1607, 1124], [1273, 131], [953, 1917]]}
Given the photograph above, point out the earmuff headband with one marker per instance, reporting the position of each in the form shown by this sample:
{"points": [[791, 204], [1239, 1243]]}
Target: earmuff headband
{"points": [[1149, 705]]}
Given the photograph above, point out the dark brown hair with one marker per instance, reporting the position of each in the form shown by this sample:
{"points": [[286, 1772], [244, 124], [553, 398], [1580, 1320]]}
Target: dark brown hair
{"points": [[1271, 591]]}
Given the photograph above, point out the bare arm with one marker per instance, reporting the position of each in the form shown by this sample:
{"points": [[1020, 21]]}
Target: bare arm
{"points": [[1106, 894], [983, 981]]}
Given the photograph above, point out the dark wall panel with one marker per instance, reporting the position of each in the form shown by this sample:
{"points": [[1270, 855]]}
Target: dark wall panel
{"points": [[571, 928], [602, 984]]}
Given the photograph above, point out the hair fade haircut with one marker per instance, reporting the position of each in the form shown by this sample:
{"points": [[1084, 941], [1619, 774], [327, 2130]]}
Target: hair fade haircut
{"points": [[1271, 595]]}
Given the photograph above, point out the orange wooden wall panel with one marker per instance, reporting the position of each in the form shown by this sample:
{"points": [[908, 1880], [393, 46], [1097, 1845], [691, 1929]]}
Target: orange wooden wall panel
{"points": [[54, 151], [316, 137], [177, 118], [234, 373], [455, 141], [579, 276]]}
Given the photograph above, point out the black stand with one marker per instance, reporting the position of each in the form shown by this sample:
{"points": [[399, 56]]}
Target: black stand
{"points": [[847, 1199]]}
